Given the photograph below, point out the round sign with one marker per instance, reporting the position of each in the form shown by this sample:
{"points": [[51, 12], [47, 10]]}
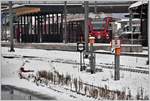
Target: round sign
{"points": [[80, 46]]}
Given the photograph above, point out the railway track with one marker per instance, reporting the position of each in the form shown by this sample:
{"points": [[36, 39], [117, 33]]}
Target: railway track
{"points": [[70, 48], [108, 67], [127, 69], [124, 54]]}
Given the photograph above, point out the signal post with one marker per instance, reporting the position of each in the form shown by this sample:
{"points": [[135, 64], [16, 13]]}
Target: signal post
{"points": [[81, 48], [92, 54], [116, 46]]}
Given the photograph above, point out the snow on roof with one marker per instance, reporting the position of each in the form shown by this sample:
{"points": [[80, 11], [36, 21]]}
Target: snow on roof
{"points": [[127, 20], [14, 6], [138, 3]]}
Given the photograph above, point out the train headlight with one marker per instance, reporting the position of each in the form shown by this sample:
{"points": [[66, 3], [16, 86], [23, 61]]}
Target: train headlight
{"points": [[99, 36]]}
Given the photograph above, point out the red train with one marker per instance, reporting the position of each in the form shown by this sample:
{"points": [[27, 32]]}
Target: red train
{"points": [[100, 28]]}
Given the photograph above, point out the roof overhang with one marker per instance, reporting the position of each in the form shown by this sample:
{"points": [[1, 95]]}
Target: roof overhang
{"points": [[72, 8], [139, 3]]}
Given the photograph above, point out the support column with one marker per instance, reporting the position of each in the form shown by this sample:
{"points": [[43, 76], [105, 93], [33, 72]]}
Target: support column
{"points": [[11, 27], [41, 29], [130, 25], [69, 27], [28, 37], [95, 8], [86, 31], [24, 29], [35, 28], [65, 23], [18, 31], [48, 24], [72, 34], [53, 24], [57, 28], [5, 27], [117, 66], [61, 27], [21, 29], [45, 32], [148, 32], [31, 34], [38, 28], [45, 25], [92, 59]]}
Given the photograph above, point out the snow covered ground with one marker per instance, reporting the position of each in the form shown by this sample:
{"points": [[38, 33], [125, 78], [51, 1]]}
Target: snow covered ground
{"points": [[129, 80]]}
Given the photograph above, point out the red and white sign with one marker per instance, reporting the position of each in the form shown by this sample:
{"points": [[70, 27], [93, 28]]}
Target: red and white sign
{"points": [[92, 40]]}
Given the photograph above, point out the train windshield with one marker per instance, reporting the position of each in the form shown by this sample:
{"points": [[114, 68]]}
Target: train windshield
{"points": [[98, 25]]}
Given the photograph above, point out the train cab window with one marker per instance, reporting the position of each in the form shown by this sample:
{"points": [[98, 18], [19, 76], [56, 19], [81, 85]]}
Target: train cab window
{"points": [[98, 25]]}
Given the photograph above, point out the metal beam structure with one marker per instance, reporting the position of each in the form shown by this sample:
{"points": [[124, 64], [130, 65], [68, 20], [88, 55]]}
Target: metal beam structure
{"points": [[107, 6], [54, 8]]}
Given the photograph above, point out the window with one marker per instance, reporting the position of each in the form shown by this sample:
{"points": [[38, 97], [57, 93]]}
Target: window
{"points": [[98, 25]]}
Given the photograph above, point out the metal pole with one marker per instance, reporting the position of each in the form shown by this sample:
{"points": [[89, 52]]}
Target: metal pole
{"points": [[35, 28], [11, 27], [24, 28], [18, 31], [38, 28], [95, 8], [81, 61], [5, 37], [148, 31], [21, 30], [86, 32], [65, 23], [117, 64], [2, 26], [49, 24], [92, 59], [130, 25], [41, 29]]}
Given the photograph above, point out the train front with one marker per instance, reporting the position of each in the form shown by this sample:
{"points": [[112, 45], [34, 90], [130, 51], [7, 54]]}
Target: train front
{"points": [[101, 30]]}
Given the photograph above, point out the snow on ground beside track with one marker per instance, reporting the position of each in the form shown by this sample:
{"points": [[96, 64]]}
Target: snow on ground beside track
{"points": [[143, 52], [130, 80], [128, 61], [9, 72], [100, 58]]}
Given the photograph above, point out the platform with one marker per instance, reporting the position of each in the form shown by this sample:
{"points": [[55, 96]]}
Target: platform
{"points": [[73, 46]]}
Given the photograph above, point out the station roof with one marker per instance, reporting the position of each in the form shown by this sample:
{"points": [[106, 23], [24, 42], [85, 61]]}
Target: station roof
{"points": [[139, 3], [139, 9], [107, 6]]}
